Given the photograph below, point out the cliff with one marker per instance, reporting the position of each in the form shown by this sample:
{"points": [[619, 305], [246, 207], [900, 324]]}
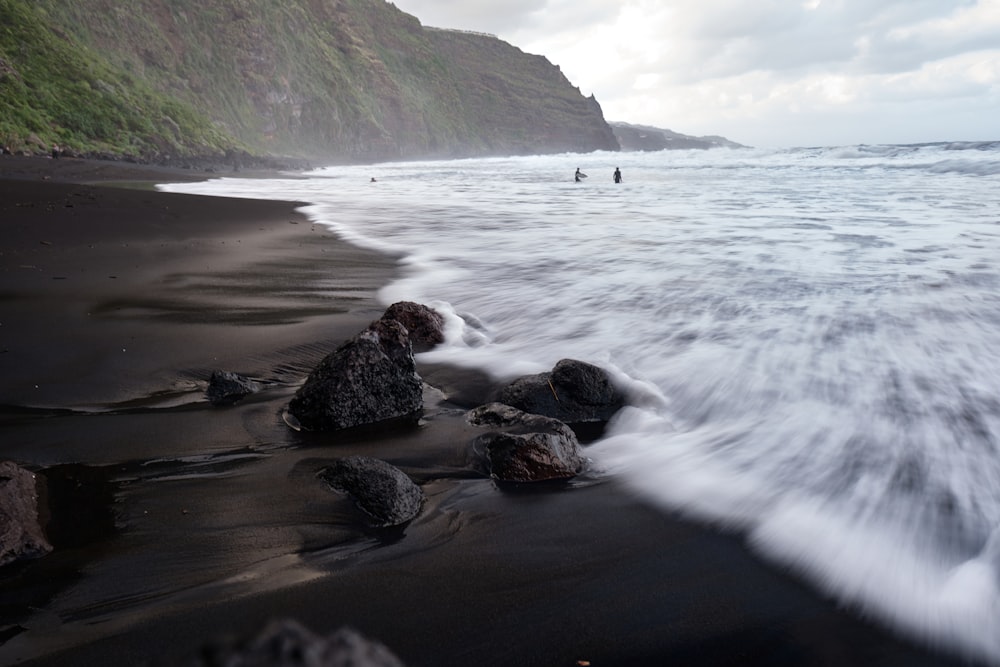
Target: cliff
{"points": [[325, 79]]}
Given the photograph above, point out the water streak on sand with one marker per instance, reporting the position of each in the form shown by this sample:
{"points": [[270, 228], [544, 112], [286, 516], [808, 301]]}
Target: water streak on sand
{"points": [[812, 338]]}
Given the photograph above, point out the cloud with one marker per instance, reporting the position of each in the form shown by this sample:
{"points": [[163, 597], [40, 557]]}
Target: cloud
{"points": [[909, 45], [476, 15]]}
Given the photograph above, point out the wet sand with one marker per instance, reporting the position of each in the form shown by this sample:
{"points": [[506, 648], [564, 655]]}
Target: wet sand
{"points": [[177, 524]]}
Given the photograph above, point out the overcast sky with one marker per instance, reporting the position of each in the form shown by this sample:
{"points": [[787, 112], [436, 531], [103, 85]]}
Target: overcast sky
{"points": [[767, 73]]}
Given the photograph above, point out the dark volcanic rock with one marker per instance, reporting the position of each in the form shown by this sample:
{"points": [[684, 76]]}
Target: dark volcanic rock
{"points": [[21, 535], [226, 388], [524, 447], [425, 325], [286, 643], [574, 391], [368, 379], [382, 490]]}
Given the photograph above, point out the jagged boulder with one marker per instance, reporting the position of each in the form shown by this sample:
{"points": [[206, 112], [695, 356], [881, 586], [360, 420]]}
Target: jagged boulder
{"points": [[573, 392], [523, 447], [226, 388], [425, 325], [287, 643], [370, 378], [21, 535], [381, 489]]}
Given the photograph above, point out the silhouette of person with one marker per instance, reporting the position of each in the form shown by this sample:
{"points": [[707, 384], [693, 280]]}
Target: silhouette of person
{"points": [[579, 175], [618, 175]]}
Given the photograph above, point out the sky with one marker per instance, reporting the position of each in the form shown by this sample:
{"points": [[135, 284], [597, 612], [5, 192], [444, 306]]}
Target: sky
{"points": [[767, 73]]}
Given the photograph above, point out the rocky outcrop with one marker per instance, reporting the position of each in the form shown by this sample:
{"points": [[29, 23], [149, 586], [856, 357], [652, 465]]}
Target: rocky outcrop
{"points": [[368, 379], [227, 388], [522, 447], [573, 392], [21, 535], [385, 493], [424, 325], [287, 643], [646, 138]]}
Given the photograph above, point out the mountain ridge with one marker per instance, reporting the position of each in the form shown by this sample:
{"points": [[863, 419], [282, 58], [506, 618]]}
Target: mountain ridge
{"points": [[328, 80]]}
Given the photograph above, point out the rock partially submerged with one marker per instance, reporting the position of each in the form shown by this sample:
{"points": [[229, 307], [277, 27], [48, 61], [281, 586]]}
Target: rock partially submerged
{"points": [[287, 643], [381, 489], [227, 388], [21, 534], [523, 447], [573, 392], [370, 378], [425, 325]]}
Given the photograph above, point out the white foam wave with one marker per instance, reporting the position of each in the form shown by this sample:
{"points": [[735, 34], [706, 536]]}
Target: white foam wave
{"points": [[878, 567], [972, 167], [955, 604]]}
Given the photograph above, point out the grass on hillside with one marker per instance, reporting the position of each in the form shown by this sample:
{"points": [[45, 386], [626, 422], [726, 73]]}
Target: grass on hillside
{"points": [[54, 90]]}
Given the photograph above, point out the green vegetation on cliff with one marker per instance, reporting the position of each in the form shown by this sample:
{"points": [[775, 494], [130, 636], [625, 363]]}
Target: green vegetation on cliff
{"points": [[55, 90], [326, 79]]}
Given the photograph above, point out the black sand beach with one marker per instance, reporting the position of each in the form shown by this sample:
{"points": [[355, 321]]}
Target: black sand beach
{"points": [[177, 524]]}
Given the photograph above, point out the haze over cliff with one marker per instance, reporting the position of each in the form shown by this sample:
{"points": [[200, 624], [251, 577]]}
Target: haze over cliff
{"points": [[323, 79]]}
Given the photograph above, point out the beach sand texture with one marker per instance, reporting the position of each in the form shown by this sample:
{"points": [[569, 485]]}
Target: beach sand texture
{"points": [[177, 523]]}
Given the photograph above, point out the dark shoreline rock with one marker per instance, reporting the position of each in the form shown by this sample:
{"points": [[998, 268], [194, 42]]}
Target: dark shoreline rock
{"points": [[370, 378], [385, 493], [523, 447], [227, 388], [573, 392], [424, 324], [21, 534]]}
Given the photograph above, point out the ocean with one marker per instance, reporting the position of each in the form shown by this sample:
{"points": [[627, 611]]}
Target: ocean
{"points": [[810, 337]]}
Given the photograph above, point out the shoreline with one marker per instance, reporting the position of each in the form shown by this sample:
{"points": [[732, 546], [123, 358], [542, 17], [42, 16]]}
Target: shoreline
{"points": [[207, 522]]}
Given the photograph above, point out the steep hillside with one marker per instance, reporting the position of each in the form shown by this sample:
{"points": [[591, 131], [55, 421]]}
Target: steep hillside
{"points": [[55, 90], [326, 79], [501, 86]]}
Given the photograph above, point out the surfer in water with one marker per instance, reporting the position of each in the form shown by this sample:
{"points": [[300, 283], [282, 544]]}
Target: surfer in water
{"points": [[618, 175], [579, 175]]}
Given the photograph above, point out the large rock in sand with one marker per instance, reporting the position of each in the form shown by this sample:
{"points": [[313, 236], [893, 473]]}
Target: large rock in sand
{"points": [[368, 379], [425, 325], [21, 535], [573, 392], [381, 489], [523, 447], [286, 643]]}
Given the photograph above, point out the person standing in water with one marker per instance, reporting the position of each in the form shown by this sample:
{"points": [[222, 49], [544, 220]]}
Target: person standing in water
{"points": [[618, 175], [579, 175]]}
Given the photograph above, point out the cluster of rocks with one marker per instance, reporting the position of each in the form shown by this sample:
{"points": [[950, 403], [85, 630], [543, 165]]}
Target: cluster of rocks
{"points": [[527, 436], [372, 378], [527, 430]]}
